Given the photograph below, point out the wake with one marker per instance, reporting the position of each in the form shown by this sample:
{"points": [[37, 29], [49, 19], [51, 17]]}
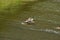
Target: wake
{"points": [[43, 30]]}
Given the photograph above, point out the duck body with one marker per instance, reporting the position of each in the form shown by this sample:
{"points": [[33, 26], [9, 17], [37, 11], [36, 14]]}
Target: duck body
{"points": [[29, 21]]}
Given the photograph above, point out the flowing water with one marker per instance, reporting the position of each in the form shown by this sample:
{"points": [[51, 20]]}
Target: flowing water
{"points": [[46, 14]]}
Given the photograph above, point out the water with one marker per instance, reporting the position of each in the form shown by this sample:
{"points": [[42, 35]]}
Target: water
{"points": [[46, 15]]}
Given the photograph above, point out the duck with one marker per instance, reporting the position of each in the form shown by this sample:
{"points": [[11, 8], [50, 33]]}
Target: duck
{"points": [[29, 21]]}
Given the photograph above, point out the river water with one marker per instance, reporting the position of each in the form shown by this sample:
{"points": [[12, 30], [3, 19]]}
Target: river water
{"points": [[46, 15]]}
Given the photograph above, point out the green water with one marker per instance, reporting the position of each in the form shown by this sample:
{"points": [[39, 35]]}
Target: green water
{"points": [[45, 12]]}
